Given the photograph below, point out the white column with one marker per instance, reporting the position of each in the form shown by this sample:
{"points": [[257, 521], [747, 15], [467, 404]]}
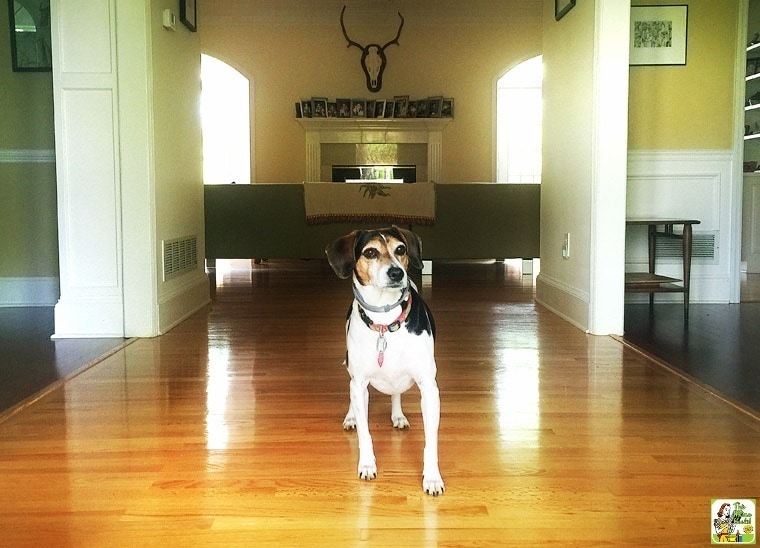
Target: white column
{"points": [[313, 156], [87, 168]]}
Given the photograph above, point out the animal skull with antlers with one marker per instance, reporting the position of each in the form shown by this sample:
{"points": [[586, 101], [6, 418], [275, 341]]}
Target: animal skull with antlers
{"points": [[373, 56]]}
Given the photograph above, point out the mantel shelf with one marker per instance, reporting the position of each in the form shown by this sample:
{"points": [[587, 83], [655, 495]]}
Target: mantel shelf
{"points": [[373, 124]]}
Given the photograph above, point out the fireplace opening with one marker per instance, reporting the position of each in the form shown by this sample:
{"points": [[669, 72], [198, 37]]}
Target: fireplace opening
{"points": [[379, 173]]}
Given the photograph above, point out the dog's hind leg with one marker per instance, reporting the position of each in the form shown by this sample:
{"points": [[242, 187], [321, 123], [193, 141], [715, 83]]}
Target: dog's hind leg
{"points": [[397, 415]]}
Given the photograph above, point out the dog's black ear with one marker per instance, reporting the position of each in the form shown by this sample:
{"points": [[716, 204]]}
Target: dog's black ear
{"points": [[413, 246], [341, 254]]}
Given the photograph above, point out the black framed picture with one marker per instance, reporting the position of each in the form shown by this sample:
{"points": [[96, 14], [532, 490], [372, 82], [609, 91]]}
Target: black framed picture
{"points": [[658, 35], [561, 7], [31, 47], [188, 14]]}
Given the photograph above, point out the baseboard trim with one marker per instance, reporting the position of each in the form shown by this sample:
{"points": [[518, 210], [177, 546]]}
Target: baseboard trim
{"points": [[19, 292]]}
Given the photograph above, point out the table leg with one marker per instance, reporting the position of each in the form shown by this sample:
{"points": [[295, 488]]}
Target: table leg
{"points": [[687, 236], [652, 256]]}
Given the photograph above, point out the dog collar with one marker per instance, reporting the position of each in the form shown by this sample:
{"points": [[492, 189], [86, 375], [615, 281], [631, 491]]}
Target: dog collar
{"points": [[381, 329], [378, 309]]}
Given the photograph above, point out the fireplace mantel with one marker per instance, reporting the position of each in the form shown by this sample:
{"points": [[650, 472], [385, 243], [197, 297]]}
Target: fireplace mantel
{"points": [[373, 130]]}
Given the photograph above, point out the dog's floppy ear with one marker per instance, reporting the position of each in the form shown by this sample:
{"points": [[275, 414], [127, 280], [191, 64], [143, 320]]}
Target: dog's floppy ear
{"points": [[413, 246], [341, 254]]}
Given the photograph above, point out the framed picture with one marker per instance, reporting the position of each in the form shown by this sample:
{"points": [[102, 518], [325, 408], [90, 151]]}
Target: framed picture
{"points": [[306, 108], [370, 108], [401, 104], [658, 35], [319, 107], [188, 14], [299, 112], [332, 109], [358, 108], [344, 108], [390, 104], [379, 108], [31, 49], [561, 7], [447, 108], [434, 107]]}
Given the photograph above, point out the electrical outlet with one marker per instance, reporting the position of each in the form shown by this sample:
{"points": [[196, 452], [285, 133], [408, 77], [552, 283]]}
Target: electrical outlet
{"points": [[566, 246]]}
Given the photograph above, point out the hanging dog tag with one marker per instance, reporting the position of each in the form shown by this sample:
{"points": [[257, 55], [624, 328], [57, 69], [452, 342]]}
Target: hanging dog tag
{"points": [[382, 344]]}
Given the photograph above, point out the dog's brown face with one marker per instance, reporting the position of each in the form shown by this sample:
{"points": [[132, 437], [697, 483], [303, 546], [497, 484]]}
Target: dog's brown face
{"points": [[383, 262], [378, 257]]}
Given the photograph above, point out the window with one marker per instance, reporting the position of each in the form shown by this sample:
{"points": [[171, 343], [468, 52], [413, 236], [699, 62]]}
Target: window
{"points": [[226, 123], [518, 119]]}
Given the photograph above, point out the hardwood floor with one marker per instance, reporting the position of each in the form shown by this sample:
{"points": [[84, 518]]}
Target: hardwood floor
{"points": [[227, 431], [31, 362]]}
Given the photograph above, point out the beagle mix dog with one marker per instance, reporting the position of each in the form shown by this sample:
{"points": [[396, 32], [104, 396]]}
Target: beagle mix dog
{"points": [[389, 339]]}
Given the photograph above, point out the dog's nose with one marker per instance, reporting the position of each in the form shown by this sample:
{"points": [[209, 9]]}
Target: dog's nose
{"points": [[395, 274]]}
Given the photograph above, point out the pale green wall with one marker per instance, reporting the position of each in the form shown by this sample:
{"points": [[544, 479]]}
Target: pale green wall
{"points": [[28, 233], [691, 106]]}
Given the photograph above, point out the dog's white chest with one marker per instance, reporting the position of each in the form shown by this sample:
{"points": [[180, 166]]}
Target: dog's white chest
{"points": [[391, 361]]}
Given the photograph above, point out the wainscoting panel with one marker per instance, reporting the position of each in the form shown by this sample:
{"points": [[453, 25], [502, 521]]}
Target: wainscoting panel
{"points": [[692, 184]]}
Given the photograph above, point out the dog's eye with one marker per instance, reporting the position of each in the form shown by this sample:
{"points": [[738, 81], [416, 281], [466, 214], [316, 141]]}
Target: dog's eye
{"points": [[370, 253], [401, 250]]}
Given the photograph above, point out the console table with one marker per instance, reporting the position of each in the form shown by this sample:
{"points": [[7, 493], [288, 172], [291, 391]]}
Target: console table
{"points": [[650, 282]]}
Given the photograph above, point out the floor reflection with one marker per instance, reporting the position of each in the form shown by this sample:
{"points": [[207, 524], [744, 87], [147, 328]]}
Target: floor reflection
{"points": [[516, 382], [217, 391]]}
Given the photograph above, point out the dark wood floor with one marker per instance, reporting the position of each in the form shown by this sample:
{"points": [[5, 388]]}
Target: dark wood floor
{"points": [[31, 362], [718, 348]]}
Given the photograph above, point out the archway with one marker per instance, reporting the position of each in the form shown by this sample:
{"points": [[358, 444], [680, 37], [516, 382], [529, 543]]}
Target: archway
{"points": [[518, 123]]}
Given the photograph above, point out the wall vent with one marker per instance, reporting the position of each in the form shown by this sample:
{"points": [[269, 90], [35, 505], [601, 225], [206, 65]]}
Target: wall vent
{"points": [[180, 256], [703, 246]]}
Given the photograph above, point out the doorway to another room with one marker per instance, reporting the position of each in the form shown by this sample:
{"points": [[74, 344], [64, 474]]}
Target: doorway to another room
{"points": [[225, 121], [519, 123]]}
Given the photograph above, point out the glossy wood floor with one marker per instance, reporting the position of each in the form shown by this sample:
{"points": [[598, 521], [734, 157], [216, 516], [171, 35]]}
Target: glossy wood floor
{"points": [[227, 431]]}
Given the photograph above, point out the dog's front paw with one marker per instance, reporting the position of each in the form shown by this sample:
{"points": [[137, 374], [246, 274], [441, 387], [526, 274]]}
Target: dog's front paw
{"points": [[433, 485], [367, 471], [400, 422], [349, 423]]}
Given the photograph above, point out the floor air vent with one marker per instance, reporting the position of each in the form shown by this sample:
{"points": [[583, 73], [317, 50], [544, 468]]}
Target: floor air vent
{"points": [[702, 247], [180, 256]]}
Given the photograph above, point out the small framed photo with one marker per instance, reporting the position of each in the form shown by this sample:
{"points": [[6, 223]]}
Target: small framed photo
{"points": [[447, 108], [332, 109], [561, 7], [379, 108], [423, 108], [299, 112], [358, 108], [319, 107], [370, 108], [411, 110], [306, 108], [658, 35], [434, 106], [188, 14], [401, 106], [31, 43], [344, 108], [390, 104]]}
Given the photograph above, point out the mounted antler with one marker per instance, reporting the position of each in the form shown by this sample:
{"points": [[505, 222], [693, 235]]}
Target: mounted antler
{"points": [[373, 59]]}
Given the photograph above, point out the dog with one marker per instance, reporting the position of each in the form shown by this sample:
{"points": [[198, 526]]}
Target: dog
{"points": [[390, 335]]}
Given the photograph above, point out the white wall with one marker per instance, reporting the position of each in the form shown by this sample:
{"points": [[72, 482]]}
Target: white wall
{"points": [[129, 168], [583, 186]]}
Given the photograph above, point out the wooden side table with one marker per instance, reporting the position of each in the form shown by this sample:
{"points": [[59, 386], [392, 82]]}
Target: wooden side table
{"points": [[650, 282]]}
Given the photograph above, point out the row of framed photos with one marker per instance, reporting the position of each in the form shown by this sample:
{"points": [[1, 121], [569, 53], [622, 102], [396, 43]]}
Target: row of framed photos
{"points": [[398, 107]]}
